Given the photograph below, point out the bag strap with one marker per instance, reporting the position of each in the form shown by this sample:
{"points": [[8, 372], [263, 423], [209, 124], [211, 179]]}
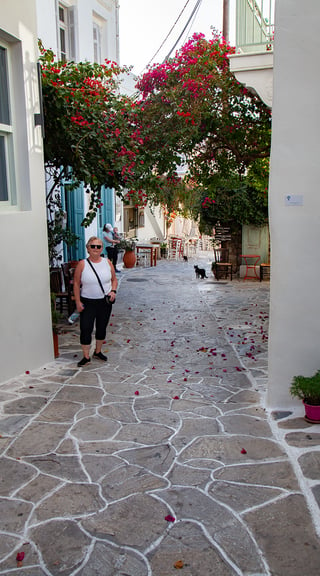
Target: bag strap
{"points": [[96, 276]]}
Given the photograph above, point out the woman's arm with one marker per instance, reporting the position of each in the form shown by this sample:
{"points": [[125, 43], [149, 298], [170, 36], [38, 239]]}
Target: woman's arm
{"points": [[114, 282], [76, 285], [108, 239]]}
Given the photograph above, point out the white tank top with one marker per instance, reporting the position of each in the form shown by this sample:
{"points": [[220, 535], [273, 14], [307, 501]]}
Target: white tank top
{"points": [[90, 287]]}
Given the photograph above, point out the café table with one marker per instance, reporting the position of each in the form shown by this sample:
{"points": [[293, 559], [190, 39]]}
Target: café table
{"points": [[251, 261]]}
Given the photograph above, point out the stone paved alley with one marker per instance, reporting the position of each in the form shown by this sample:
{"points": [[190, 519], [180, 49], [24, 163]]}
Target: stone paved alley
{"points": [[162, 461]]}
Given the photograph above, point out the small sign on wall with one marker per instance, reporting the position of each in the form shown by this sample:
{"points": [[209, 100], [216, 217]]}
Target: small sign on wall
{"points": [[293, 200]]}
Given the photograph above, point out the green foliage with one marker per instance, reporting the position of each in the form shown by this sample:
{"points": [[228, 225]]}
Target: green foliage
{"points": [[307, 388], [127, 244], [56, 317]]}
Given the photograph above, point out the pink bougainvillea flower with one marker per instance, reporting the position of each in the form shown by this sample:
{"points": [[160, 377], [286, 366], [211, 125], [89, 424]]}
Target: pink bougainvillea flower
{"points": [[27, 371], [128, 340], [169, 380], [185, 379], [31, 386], [170, 518], [224, 370], [243, 451], [153, 367], [137, 392], [164, 330], [176, 398]]}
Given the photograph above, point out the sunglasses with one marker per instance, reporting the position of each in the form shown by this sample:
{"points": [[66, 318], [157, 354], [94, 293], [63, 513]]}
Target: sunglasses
{"points": [[98, 246]]}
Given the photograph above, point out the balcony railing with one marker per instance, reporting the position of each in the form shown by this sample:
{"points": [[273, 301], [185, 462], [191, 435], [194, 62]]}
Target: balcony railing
{"points": [[255, 25]]}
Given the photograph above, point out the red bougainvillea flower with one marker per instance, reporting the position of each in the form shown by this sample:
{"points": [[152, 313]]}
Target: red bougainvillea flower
{"points": [[20, 556], [170, 518], [176, 398], [243, 451], [27, 371], [137, 392]]}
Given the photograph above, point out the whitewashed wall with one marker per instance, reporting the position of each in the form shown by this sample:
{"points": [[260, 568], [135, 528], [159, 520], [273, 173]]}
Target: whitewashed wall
{"points": [[103, 11], [25, 317], [295, 229]]}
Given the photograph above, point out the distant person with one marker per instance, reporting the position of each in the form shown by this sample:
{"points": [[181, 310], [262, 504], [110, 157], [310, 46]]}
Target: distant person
{"points": [[108, 240], [95, 287], [116, 239]]}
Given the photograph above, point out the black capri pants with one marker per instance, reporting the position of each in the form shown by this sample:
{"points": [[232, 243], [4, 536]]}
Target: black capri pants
{"points": [[95, 311]]}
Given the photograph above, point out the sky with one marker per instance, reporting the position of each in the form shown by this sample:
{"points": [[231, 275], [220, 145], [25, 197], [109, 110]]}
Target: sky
{"points": [[145, 24]]}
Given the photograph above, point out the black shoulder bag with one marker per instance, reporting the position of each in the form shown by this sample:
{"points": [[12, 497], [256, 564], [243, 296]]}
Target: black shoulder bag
{"points": [[100, 283]]}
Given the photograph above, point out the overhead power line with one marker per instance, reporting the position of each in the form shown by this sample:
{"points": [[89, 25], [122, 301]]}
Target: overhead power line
{"points": [[167, 36], [196, 8]]}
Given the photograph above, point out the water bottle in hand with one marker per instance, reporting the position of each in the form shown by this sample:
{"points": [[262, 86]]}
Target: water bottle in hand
{"points": [[74, 317]]}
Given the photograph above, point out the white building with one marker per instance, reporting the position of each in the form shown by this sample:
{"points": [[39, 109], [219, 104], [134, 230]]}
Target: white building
{"points": [[294, 199], [25, 316]]}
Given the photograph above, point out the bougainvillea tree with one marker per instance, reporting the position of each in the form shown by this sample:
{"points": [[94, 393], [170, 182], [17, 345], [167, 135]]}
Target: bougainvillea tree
{"points": [[92, 134], [195, 112]]}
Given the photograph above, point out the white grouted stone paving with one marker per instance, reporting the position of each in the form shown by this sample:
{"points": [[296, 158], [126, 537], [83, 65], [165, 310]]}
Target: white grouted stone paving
{"points": [[164, 458]]}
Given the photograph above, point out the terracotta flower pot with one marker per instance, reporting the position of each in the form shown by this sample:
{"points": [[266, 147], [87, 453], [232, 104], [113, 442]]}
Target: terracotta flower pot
{"points": [[312, 413], [55, 344], [129, 258]]}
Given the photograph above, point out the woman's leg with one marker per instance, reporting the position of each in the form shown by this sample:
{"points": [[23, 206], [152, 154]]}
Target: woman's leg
{"points": [[87, 318], [110, 250], [115, 256], [102, 319]]}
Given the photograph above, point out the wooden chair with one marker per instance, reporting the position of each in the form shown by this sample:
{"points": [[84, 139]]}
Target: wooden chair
{"points": [[175, 248], [264, 268], [221, 266], [62, 296]]}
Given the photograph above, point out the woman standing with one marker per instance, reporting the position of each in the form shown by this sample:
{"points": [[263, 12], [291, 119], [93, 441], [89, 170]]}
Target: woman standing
{"points": [[91, 300], [109, 240]]}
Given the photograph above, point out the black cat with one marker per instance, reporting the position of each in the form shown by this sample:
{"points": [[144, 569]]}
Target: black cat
{"points": [[200, 272]]}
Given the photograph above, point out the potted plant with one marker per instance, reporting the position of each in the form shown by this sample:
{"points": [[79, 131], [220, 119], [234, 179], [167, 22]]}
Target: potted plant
{"points": [[307, 388], [128, 245]]}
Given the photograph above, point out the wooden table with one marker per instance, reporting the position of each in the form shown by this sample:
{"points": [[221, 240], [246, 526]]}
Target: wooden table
{"points": [[254, 258], [152, 248]]}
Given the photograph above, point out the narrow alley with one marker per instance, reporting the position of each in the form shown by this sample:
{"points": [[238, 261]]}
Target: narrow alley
{"points": [[164, 459]]}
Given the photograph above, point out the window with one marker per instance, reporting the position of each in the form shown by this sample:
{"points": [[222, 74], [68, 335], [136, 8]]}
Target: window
{"points": [[96, 43], [6, 145], [100, 37], [67, 36]]}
